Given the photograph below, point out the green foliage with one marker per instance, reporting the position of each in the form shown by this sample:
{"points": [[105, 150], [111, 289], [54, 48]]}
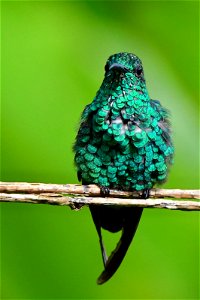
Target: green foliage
{"points": [[52, 58]]}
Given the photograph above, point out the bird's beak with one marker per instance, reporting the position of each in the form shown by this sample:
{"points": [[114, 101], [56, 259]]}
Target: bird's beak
{"points": [[119, 67]]}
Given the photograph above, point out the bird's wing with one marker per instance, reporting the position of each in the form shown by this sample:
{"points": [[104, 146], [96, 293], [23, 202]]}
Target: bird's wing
{"points": [[164, 122], [83, 135]]}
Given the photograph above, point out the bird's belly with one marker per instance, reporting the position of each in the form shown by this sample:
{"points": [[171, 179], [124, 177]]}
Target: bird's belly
{"points": [[128, 170], [125, 159]]}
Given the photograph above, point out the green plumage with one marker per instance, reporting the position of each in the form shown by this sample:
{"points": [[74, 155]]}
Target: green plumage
{"points": [[123, 143], [124, 138]]}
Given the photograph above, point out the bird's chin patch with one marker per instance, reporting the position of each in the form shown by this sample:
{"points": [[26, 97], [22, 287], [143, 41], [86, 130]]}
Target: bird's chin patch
{"points": [[118, 77]]}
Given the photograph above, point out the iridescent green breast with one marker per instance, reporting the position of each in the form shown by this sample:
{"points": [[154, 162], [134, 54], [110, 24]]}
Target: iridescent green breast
{"points": [[124, 139]]}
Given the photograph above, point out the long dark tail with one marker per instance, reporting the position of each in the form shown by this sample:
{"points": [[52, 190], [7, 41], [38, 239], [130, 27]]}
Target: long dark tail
{"points": [[131, 218]]}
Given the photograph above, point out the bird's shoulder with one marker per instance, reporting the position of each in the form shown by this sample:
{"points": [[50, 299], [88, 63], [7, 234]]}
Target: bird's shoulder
{"points": [[162, 117]]}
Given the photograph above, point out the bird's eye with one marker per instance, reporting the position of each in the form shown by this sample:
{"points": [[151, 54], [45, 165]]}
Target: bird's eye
{"points": [[139, 71], [107, 67]]}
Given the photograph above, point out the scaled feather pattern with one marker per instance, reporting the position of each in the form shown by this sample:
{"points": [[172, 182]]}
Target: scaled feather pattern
{"points": [[124, 137]]}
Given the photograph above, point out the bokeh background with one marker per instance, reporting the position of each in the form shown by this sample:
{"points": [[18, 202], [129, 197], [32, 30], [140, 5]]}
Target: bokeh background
{"points": [[53, 56]]}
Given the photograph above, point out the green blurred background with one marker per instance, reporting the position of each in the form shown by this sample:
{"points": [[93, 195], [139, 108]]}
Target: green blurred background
{"points": [[53, 56]]}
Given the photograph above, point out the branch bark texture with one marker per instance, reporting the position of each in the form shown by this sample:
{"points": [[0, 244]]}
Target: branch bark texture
{"points": [[78, 195]]}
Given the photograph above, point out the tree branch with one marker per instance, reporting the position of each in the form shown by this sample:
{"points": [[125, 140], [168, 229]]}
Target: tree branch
{"points": [[78, 195]]}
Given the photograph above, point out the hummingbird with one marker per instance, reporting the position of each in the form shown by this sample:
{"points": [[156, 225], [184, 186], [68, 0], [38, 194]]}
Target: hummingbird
{"points": [[123, 143]]}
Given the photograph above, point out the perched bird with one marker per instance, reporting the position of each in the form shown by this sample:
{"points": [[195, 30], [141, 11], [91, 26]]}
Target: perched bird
{"points": [[124, 142]]}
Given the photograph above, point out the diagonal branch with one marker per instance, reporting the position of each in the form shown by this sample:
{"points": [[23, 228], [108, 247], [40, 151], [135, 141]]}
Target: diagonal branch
{"points": [[78, 195]]}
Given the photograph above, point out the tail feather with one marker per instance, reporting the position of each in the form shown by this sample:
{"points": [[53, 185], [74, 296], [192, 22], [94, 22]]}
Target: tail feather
{"points": [[131, 221], [96, 220]]}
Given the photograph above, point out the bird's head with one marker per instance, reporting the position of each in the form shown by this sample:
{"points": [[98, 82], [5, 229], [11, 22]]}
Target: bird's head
{"points": [[120, 64]]}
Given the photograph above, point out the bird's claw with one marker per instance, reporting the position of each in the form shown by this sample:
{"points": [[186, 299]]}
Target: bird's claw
{"points": [[145, 194], [104, 191]]}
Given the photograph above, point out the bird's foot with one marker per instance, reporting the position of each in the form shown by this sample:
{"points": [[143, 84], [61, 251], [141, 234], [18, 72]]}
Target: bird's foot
{"points": [[76, 206], [104, 191], [145, 194]]}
